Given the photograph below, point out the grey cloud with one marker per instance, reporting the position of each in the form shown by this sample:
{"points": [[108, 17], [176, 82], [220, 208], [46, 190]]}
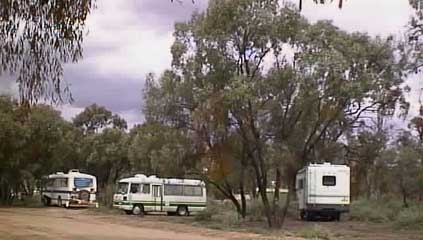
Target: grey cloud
{"points": [[117, 93]]}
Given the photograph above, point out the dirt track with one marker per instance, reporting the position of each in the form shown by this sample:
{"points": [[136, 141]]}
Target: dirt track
{"points": [[59, 223]]}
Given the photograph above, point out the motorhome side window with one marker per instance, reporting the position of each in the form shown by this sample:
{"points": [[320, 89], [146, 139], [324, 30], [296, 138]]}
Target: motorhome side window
{"points": [[146, 188], [57, 182], [329, 180], [174, 190], [193, 191], [135, 187]]}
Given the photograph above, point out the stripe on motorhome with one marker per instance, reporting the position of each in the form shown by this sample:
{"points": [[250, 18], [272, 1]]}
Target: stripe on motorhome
{"points": [[149, 203], [56, 191]]}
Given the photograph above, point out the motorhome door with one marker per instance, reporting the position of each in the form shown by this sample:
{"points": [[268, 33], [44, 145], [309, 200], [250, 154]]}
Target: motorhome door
{"points": [[157, 197]]}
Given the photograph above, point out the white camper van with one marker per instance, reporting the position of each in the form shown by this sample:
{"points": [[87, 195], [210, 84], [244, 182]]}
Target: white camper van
{"points": [[72, 189], [323, 190], [140, 194]]}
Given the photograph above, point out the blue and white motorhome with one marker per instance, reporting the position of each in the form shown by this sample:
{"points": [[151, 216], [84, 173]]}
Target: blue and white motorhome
{"points": [[72, 189]]}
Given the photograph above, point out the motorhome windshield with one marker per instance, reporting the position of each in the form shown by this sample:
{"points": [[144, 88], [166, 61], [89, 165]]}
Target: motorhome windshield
{"points": [[83, 182], [122, 188]]}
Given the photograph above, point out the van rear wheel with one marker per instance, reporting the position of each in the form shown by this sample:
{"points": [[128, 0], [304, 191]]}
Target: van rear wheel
{"points": [[182, 211]]}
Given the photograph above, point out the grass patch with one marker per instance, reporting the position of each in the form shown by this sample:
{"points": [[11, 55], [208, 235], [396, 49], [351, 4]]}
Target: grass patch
{"points": [[315, 232], [28, 201], [223, 216], [381, 211], [410, 218], [388, 211]]}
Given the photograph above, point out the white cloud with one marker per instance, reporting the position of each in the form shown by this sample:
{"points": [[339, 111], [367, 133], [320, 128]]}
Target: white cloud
{"points": [[376, 17], [68, 111]]}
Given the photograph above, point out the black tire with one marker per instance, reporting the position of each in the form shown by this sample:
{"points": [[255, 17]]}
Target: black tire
{"points": [[59, 202], [182, 211], [302, 215], [138, 210], [46, 201], [337, 217], [309, 216]]}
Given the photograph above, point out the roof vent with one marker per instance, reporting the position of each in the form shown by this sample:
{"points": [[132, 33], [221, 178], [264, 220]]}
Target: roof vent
{"points": [[140, 176], [60, 173], [74, 170]]}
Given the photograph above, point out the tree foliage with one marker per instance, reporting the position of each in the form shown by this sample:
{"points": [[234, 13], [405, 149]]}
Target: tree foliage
{"points": [[95, 118], [36, 39], [232, 74]]}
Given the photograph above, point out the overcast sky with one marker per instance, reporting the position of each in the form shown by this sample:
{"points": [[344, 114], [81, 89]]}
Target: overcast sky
{"points": [[129, 38]]}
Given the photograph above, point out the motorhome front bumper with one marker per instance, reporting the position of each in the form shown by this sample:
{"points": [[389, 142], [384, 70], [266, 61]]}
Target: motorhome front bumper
{"points": [[123, 205]]}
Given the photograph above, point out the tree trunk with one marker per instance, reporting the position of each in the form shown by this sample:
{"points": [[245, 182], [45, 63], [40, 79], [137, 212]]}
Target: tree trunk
{"points": [[404, 195], [267, 209], [242, 193], [227, 192], [236, 204], [286, 206]]}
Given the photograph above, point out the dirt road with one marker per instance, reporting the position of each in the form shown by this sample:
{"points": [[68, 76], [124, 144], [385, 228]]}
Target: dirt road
{"points": [[65, 224]]}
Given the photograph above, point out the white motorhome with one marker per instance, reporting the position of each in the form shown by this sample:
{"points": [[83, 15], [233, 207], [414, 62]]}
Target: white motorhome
{"points": [[323, 190], [140, 194], [72, 189]]}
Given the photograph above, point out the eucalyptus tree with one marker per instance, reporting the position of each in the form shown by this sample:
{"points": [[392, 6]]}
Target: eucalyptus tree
{"points": [[161, 150], [36, 39], [29, 146], [95, 118], [260, 71]]}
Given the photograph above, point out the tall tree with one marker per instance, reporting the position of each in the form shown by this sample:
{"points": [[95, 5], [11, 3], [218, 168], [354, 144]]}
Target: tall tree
{"points": [[95, 118], [219, 82]]}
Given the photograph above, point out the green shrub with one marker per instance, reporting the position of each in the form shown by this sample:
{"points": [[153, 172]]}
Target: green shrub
{"points": [[410, 218], [220, 212], [205, 215], [375, 211], [28, 201], [255, 211], [315, 232]]}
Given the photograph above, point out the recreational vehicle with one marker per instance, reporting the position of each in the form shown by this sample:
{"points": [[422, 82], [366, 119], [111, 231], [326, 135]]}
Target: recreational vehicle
{"points": [[72, 189], [323, 190], [139, 194]]}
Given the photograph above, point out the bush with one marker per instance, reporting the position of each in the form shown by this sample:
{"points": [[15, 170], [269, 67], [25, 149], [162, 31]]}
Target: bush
{"points": [[28, 201], [255, 211], [388, 211], [315, 232], [375, 211], [205, 215], [218, 211], [410, 218]]}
